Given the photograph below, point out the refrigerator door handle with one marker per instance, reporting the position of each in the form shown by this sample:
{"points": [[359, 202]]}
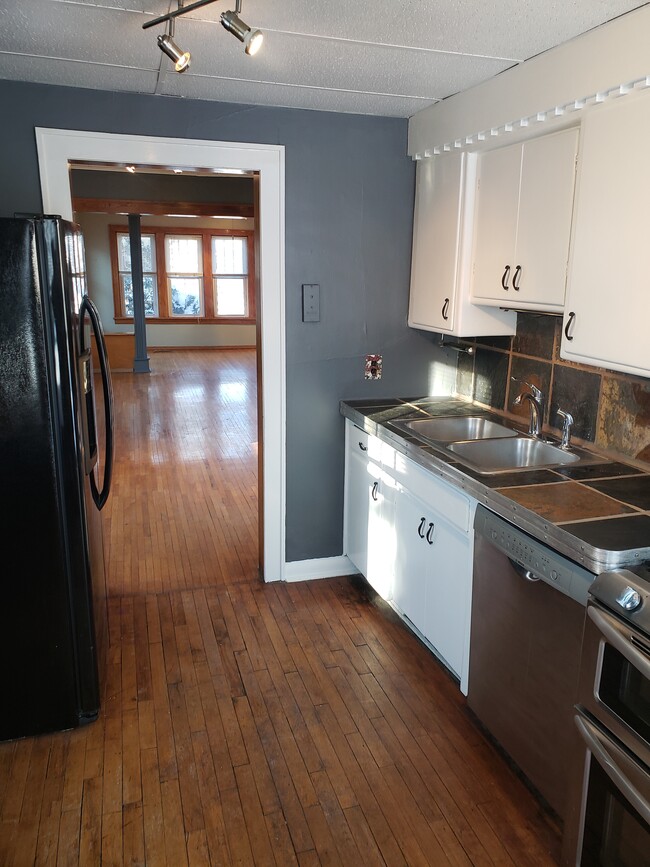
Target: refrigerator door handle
{"points": [[87, 306]]}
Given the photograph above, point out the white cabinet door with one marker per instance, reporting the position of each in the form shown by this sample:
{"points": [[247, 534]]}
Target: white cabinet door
{"points": [[497, 201], [449, 594], [432, 584], [544, 224], [442, 227], [607, 313], [412, 522], [369, 532], [523, 223], [361, 476]]}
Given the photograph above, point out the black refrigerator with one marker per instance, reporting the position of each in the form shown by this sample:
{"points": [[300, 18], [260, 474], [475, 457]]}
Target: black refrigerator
{"points": [[56, 454]]}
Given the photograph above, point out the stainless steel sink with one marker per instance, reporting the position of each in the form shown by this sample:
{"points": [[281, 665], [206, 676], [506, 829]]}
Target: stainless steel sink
{"points": [[517, 453], [454, 428]]}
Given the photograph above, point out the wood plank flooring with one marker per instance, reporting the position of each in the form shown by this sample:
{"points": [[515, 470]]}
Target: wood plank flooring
{"points": [[244, 723]]}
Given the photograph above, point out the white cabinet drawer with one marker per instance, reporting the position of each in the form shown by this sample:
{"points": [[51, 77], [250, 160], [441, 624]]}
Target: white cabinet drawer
{"points": [[439, 495], [370, 446]]}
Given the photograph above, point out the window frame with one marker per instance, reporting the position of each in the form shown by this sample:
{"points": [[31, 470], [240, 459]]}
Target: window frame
{"points": [[118, 289], [164, 313]]}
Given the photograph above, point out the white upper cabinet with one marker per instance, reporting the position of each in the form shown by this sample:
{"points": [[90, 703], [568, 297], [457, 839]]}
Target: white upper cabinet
{"points": [[607, 314], [439, 299], [524, 209]]}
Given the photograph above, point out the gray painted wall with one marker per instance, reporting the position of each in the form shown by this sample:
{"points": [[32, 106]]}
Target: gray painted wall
{"points": [[349, 207]]}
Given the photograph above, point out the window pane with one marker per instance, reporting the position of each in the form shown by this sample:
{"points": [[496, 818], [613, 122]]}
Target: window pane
{"points": [[150, 294], [148, 253], [228, 255], [231, 296], [183, 254], [185, 296], [124, 252]]}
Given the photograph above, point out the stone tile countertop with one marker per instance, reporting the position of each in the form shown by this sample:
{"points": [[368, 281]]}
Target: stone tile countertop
{"points": [[596, 514]]}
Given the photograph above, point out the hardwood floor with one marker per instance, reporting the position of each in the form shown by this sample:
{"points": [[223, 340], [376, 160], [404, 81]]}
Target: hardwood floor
{"points": [[245, 723]]}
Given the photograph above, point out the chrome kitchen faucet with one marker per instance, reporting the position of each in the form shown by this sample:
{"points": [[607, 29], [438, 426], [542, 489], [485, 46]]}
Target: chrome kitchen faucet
{"points": [[535, 397]]}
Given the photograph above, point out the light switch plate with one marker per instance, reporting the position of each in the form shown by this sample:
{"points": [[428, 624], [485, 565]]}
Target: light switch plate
{"points": [[311, 302]]}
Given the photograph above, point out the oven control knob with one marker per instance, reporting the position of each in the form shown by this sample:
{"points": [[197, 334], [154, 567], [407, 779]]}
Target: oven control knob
{"points": [[629, 599]]}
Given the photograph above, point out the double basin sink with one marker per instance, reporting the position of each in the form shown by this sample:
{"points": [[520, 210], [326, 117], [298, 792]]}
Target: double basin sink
{"points": [[489, 447]]}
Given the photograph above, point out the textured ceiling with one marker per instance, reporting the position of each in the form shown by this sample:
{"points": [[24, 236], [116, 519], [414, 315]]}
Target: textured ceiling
{"points": [[386, 58]]}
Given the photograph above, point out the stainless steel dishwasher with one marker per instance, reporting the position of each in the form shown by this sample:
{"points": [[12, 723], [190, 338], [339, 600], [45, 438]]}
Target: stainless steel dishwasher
{"points": [[528, 611]]}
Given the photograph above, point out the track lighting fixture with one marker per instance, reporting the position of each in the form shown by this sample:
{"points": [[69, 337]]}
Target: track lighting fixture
{"points": [[252, 39], [168, 46]]}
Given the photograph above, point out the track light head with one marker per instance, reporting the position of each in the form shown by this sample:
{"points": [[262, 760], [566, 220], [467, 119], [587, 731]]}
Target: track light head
{"points": [[168, 46], [252, 39]]}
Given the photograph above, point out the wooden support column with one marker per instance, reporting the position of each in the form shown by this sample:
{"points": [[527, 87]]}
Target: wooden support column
{"points": [[141, 359]]}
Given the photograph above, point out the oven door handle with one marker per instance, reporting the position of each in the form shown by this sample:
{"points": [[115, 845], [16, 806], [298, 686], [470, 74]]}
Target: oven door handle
{"points": [[616, 765], [620, 640]]}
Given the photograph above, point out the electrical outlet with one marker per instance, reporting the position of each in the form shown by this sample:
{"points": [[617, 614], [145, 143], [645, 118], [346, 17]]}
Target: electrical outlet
{"points": [[373, 367]]}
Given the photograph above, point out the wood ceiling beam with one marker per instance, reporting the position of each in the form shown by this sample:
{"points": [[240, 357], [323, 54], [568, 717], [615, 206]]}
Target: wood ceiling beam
{"points": [[161, 209]]}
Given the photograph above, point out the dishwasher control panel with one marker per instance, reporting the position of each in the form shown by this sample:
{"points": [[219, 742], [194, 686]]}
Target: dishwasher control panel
{"points": [[538, 561]]}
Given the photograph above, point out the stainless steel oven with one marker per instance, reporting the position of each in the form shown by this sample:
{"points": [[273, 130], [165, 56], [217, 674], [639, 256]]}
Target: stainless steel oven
{"points": [[608, 824]]}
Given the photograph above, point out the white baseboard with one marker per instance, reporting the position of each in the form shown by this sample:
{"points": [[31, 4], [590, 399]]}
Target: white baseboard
{"points": [[323, 567]]}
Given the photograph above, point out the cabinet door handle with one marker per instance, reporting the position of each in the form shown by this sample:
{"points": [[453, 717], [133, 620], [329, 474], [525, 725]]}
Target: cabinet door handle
{"points": [[568, 325], [375, 488], [505, 276], [363, 448], [432, 527], [423, 522], [515, 278], [445, 309]]}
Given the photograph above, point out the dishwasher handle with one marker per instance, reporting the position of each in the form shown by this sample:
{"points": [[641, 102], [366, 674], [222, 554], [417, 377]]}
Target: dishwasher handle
{"points": [[526, 574]]}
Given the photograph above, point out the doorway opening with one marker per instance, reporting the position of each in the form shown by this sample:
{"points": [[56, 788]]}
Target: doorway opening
{"points": [[58, 149], [183, 511]]}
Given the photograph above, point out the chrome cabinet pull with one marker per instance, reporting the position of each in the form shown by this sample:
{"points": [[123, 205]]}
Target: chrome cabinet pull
{"points": [[363, 448], [445, 309], [375, 488], [568, 325], [504, 278], [423, 522], [515, 278], [430, 533]]}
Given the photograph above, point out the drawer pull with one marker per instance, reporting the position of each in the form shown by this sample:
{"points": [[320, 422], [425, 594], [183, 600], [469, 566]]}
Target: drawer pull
{"points": [[423, 522], [445, 309], [515, 277], [363, 448], [432, 527], [374, 494], [504, 278]]}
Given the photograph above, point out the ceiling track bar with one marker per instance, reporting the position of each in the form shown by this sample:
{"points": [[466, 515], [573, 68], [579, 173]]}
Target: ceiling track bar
{"points": [[182, 10]]}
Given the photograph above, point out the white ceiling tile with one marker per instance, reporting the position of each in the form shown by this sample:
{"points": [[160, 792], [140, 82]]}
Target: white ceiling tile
{"points": [[290, 97], [70, 74], [332, 56]]}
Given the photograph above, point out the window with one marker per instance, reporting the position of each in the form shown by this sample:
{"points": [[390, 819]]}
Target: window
{"points": [[204, 274], [125, 278], [230, 276], [184, 274]]}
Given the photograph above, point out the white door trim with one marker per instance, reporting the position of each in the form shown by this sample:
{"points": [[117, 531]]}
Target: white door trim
{"points": [[57, 147]]}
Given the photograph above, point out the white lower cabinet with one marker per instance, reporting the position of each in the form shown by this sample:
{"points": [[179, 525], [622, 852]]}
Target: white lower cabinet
{"points": [[410, 534], [432, 585], [369, 538]]}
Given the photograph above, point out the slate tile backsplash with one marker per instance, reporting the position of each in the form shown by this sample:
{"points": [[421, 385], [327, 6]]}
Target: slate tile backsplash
{"points": [[610, 409]]}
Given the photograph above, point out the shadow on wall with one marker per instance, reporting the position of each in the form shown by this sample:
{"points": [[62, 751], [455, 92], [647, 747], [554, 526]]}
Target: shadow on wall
{"points": [[611, 410]]}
